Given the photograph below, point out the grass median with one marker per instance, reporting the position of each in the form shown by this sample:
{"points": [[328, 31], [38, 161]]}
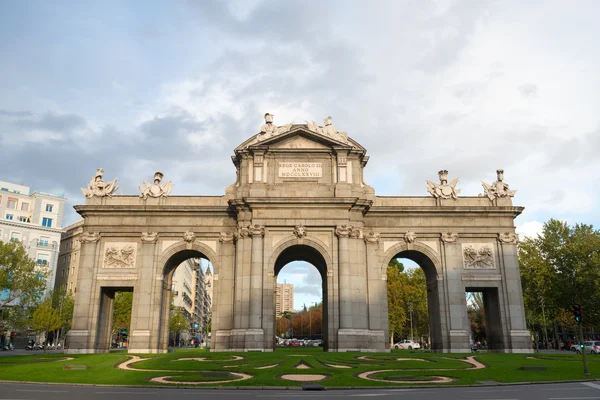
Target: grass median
{"points": [[354, 369]]}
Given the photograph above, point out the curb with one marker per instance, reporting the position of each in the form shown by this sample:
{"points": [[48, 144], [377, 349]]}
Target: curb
{"points": [[299, 388]]}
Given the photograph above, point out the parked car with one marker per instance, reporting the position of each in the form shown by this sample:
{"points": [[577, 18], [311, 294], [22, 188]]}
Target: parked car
{"points": [[407, 345], [592, 347]]}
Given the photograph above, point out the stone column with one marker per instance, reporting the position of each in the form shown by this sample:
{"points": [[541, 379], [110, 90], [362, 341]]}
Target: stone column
{"points": [[143, 338], [457, 323], [222, 314], [345, 299], [241, 287], [377, 296], [520, 340], [255, 333], [80, 339]]}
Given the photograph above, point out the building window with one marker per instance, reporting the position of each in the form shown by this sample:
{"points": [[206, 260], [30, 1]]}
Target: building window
{"points": [[49, 207], [43, 242], [24, 206], [47, 222], [9, 216], [15, 237], [41, 261], [12, 204], [22, 219]]}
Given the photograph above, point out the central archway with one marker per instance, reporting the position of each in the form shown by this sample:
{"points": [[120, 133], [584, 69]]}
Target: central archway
{"points": [[309, 254]]}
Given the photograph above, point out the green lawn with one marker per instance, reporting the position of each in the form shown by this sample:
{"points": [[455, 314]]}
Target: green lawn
{"points": [[101, 368]]}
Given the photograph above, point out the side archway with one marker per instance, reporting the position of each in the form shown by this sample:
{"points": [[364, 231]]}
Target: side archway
{"points": [[168, 262], [430, 263]]}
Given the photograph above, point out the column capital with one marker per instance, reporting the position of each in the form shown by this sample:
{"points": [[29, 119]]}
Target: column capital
{"points": [[372, 238], [449, 237], [228, 237], [89, 237], [508, 238], [256, 230], [343, 231], [149, 237]]}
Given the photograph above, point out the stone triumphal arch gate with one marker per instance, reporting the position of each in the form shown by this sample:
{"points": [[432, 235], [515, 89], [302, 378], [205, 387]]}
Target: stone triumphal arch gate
{"points": [[299, 195]]}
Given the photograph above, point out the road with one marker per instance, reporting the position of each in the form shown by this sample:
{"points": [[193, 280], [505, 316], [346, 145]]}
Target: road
{"points": [[555, 391]]}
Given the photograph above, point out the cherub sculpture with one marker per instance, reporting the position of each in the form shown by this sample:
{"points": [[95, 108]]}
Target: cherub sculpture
{"points": [[97, 187], [156, 189]]}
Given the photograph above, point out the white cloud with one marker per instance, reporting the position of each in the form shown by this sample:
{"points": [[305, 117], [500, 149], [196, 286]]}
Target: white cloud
{"points": [[529, 229]]}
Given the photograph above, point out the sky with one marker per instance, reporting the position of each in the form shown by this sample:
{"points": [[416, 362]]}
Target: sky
{"points": [[174, 86]]}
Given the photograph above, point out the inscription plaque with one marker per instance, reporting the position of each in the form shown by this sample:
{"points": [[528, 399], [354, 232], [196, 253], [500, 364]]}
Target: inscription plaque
{"points": [[300, 170]]}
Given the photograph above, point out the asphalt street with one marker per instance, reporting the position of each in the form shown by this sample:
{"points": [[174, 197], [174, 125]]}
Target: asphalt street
{"points": [[555, 391]]}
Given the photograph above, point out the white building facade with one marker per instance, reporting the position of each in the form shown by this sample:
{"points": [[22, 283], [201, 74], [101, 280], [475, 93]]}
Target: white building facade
{"points": [[34, 219]]}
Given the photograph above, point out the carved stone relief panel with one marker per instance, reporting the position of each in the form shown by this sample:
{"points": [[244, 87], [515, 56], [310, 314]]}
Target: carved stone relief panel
{"points": [[508, 237], [478, 256], [119, 255]]}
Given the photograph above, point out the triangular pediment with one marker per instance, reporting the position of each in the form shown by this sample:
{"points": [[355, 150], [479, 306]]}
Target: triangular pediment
{"points": [[298, 137]]}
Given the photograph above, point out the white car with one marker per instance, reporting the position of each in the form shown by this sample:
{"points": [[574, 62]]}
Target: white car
{"points": [[407, 345]]}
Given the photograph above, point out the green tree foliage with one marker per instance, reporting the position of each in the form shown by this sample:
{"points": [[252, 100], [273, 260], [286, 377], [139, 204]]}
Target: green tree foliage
{"points": [[406, 287], [122, 311], [45, 318], [21, 284], [476, 313], [562, 265], [63, 302], [178, 322]]}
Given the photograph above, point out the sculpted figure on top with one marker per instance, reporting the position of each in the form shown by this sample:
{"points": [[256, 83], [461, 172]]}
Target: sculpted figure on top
{"points": [[443, 190], [498, 188], [328, 130], [268, 130], [97, 187], [156, 189]]}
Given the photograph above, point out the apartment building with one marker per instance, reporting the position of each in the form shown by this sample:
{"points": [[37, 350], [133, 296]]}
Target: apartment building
{"points": [[35, 219], [68, 258], [284, 298]]}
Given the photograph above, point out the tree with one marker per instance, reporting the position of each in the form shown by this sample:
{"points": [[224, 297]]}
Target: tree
{"points": [[121, 319], [63, 302], [21, 284], [476, 313], [45, 318], [562, 265], [396, 285], [178, 323]]}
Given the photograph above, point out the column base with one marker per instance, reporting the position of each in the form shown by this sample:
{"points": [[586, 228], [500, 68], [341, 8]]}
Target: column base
{"points": [[254, 340], [520, 342], [363, 340], [459, 341]]}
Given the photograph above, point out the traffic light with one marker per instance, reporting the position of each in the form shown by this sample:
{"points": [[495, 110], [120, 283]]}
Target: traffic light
{"points": [[196, 325], [577, 313]]}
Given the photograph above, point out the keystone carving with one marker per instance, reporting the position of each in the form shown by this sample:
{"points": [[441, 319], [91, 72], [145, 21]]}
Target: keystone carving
{"points": [[97, 187], [228, 237], [498, 188], [156, 189], [149, 237], [299, 231], [478, 256], [257, 230], [372, 238], [449, 237], [343, 231], [189, 236], [410, 237], [444, 189], [508, 237], [119, 257], [89, 237]]}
